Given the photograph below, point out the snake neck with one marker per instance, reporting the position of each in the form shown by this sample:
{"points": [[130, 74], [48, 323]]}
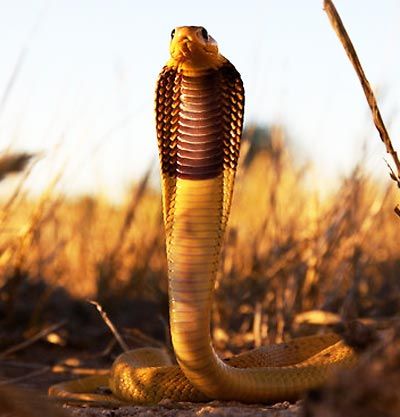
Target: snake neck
{"points": [[193, 258], [199, 144], [194, 227], [199, 124]]}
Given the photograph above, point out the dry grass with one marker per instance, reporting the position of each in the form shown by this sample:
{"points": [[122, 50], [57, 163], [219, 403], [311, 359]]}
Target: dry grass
{"points": [[287, 249], [341, 32]]}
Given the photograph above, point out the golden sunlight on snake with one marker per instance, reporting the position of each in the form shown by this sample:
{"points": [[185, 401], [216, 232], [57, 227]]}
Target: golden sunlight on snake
{"points": [[199, 118]]}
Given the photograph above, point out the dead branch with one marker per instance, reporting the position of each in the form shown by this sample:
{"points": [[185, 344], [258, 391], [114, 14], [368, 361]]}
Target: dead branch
{"points": [[344, 38], [110, 325]]}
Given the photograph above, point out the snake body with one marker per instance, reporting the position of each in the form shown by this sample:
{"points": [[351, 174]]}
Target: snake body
{"points": [[199, 119]]}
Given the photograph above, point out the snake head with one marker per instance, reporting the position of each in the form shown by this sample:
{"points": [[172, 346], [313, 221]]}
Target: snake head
{"points": [[192, 48]]}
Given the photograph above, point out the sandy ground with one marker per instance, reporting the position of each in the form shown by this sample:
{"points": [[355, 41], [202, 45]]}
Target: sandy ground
{"points": [[214, 408], [369, 390], [27, 396]]}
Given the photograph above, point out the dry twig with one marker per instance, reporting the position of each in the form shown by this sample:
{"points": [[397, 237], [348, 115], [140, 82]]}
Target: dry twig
{"points": [[32, 340], [344, 38], [27, 376], [110, 325]]}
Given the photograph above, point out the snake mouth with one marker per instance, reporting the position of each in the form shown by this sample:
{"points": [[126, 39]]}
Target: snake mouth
{"points": [[186, 48], [184, 51], [190, 50]]}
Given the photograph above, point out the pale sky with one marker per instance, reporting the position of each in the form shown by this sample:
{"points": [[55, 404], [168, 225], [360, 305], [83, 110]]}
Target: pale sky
{"points": [[84, 94]]}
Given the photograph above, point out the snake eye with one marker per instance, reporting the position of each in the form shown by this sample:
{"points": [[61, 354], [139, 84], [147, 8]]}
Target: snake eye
{"points": [[172, 33], [204, 34]]}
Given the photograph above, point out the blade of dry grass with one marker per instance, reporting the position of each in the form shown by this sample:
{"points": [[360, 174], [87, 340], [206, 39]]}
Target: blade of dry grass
{"points": [[13, 78], [344, 38], [131, 210], [27, 376], [32, 340], [110, 325], [22, 58]]}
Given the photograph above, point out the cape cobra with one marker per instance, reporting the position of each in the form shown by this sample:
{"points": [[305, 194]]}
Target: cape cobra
{"points": [[199, 118]]}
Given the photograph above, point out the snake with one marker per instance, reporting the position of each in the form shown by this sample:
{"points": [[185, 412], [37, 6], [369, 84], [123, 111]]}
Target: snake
{"points": [[199, 123]]}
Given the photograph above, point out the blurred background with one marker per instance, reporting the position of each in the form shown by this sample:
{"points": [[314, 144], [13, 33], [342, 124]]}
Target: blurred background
{"points": [[312, 225], [77, 81]]}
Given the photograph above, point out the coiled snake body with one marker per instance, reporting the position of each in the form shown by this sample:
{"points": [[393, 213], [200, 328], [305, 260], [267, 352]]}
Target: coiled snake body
{"points": [[199, 117]]}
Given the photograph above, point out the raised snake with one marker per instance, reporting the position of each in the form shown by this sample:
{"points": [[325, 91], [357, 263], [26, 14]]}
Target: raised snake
{"points": [[199, 119]]}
